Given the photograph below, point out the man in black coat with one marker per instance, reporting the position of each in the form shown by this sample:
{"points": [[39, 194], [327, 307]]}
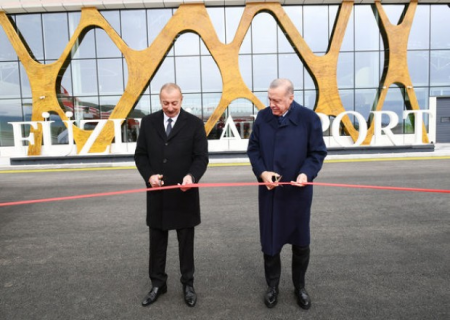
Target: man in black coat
{"points": [[172, 149], [286, 145]]}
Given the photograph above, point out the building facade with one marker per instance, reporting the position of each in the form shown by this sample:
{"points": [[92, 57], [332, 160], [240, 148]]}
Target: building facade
{"points": [[70, 67]]}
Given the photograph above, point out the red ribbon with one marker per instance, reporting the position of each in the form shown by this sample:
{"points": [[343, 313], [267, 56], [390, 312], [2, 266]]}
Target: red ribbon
{"points": [[218, 185]]}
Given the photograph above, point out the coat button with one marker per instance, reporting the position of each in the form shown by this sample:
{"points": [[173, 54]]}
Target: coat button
{"points": [[166, 143], [165, 161]]}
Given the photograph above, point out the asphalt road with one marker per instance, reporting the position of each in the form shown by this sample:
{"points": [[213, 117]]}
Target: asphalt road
{"points": [[376, 254]]}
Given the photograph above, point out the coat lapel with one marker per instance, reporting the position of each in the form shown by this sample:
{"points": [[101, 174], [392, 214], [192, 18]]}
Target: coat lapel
{"points": [[158, 123]]}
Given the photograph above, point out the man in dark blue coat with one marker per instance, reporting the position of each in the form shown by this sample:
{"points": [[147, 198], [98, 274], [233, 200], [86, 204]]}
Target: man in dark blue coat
{"points": [[286, 145]]}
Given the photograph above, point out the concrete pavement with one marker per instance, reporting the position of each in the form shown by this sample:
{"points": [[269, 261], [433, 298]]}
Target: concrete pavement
{"points": [[375, 254]]}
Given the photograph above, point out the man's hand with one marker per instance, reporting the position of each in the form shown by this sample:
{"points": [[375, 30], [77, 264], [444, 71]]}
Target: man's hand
{"points": [[302, 178], [156, 180], [271, 178], [187, 180]]}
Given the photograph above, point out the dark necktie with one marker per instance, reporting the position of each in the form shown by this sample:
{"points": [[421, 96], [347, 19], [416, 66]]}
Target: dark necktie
{"points": [[169, 126]]}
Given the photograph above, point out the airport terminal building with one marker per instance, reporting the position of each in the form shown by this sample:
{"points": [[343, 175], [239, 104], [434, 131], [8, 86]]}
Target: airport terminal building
{"points": [[76, 76]]}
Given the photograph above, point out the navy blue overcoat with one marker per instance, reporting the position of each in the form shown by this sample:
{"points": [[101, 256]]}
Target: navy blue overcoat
{"points": [[294, 147]]}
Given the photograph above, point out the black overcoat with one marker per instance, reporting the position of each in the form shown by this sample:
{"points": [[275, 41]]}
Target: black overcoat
{"points": [[294, 147], [184, 152]]}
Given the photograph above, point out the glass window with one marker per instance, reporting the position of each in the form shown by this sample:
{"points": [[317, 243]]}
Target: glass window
{"points": [[364, 101], [84, 77], [210, 103], [187, 74], [142, 107], [440, 24], [245, 67], [134, 28], [347, 99], [233, 16], [262, 96], [164, 74], [106, 48], [299, 96], [310, 99], [241, 110], [84, 47], [439, 92], [264, 71], [394, 102], [110, 76], [107, 105], [440, 68], [264, 34], [9, 80], [155, 102], [30, 27], [367, 33], [347, 42], [217, 16], [291, 67], [367, 70], [418, 67], [10, 111], [156, 21], [24, 82], [7, 52], [419, 37], [345, 70], [86, 108], [211, 78], [295, 15], [74, 20], [192, 103], [187, 44], [56, 34], [316, 27]]}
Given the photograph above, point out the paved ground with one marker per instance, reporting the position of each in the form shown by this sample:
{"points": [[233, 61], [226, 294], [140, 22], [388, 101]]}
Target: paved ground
{"points": [[375, 254]]}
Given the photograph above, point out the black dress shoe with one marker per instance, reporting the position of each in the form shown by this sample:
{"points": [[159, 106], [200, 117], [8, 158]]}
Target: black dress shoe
{"points": [[303, 299], [271, 297], [190, 297], [153, 295]]}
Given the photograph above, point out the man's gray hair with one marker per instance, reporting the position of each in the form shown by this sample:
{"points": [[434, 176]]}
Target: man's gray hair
{"points": [[283, 83], [169, 87]]}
